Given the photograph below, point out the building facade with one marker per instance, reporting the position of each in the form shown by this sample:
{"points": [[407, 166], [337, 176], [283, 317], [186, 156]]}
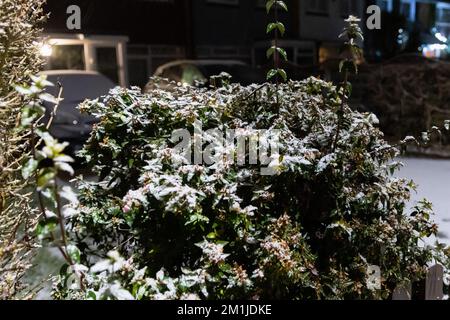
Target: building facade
{"points": [[128, 39], [123, 39], [427, 25]]}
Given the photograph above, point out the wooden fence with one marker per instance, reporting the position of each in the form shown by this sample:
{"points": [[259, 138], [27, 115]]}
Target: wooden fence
{"points": [[434, 286]]}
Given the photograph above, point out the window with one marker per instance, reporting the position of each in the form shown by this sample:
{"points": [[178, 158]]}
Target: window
{"points": [[385, 5], [443, 15], [318, 7], [67, 57], [138, 71], [107, 63], [405, 9]]}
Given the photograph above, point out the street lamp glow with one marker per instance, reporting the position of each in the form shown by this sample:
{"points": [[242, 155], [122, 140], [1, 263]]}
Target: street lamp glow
{"points": [[46, 50]]}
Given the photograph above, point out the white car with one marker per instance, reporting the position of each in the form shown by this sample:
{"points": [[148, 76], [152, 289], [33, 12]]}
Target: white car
{"points": [[69, 124], [190, 71]]}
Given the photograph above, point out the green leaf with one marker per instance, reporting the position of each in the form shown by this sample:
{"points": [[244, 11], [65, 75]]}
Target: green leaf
{"points": [[283, 5], [283, 53], [63, 158], [41, 81], [63, 166], [269, 5], [272, 73], [45, 178], [48, 98], [29, 168], [197, 219], [349, 66], [282, 73], [276, 25], [74, 253], [30, 113], [281, 28], [22, 90], [271, 27], [270, 51], [211, 235], [44, 228], [37, 109], [91, 295], [68, 194]]}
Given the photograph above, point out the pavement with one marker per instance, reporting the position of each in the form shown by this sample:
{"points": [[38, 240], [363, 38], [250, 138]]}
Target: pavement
{"points": [[433, 179]]}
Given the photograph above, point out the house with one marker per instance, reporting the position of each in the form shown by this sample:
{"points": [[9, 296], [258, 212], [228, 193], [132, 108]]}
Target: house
{"points": [[322, 21], [128, 39], [123, 39], [313, 28]]}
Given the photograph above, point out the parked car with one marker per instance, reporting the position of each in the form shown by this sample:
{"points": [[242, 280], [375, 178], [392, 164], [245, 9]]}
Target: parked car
{"points": [[191, 71], [69, 124]]}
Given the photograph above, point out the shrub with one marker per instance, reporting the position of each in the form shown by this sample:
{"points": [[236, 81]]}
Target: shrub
{"points": [[19, 57], [168, 229]]}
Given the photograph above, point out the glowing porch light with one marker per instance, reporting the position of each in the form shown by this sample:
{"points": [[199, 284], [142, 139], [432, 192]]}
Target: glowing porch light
{"points": [[46, 50]]}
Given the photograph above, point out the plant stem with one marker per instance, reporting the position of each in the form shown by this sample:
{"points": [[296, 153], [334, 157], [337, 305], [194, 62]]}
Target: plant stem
{"points": [[62, 250], [39, 194], [341, 110], [55, 109], [276, 61]]}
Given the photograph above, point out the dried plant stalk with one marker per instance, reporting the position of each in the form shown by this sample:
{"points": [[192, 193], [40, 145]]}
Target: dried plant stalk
{"points": [[19, 58]]}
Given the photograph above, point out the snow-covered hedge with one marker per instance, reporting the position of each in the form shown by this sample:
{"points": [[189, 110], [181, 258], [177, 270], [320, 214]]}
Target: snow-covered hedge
{"points": [[170, 229]]}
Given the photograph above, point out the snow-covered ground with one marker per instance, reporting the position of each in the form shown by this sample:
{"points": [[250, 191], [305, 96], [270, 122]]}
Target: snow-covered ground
{"points": [[433, 179]]}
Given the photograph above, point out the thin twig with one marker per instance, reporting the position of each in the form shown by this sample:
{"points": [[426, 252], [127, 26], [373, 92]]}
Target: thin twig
{"points": [[256, 90], [55, 108]]}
